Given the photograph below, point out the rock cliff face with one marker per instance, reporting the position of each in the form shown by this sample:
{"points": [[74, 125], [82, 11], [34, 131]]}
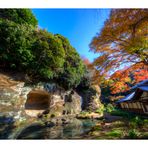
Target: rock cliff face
{"points": [[72, 103], [90, 98], [63, 102], [13, 95], [37, 101], [20, 101], [56, 102]]}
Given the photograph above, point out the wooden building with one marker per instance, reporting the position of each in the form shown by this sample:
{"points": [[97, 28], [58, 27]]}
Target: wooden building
{"points": [[137, 101]]}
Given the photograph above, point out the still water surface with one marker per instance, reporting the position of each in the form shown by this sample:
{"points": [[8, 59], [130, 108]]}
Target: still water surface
{"points": [[74, 130]]}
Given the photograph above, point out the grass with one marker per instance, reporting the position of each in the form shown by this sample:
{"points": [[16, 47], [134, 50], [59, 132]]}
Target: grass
{"points": [[144, 135], [114, 133], [145, 122], [133, 134], [97, 128], [131, 126]]}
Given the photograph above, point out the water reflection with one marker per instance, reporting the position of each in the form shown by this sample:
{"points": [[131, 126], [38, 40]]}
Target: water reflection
{"points": [[73, 130], [6, 126]]}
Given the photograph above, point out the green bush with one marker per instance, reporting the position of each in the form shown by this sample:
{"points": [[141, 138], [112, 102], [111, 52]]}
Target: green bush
{"points": [[133, 134], [109, 108], [136, 122], [118, 112], [145, 122], [101, 109]]}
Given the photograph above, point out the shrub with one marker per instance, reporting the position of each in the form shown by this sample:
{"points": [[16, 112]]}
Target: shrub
{"points": [[101, 109], [145, 122], [49, 55], [114, 133], [109, 108], [136, 122], [133, 134], [118, 112]]}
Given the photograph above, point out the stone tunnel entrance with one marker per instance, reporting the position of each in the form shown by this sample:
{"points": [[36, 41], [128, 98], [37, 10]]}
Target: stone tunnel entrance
{"points": [[37, 102]]}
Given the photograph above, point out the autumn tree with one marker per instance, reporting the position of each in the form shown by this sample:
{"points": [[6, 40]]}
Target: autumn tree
{"points": [[122, 41], [122, 80]]}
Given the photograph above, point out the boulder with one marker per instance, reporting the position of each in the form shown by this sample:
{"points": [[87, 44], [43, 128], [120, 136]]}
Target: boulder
{"points": [[67, 103], [72, 103], [56, 105]]}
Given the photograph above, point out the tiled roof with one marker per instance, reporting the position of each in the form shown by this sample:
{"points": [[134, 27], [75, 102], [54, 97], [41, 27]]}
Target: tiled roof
{"points": [[142, 86], [127, 98], [145, 82]]}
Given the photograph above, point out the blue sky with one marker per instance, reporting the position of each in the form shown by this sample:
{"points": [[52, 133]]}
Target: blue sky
{"points": [[78, 25]]}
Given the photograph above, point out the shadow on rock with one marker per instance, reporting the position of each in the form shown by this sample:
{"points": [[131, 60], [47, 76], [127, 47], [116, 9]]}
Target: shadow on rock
{"points": [[6, 126]]}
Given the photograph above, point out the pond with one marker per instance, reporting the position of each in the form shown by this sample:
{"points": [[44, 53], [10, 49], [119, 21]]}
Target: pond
{"points": [[74, 130]]}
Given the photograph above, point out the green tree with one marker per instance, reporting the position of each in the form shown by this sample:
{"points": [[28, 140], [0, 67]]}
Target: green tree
{"points": [[49, 54], [73, 66], [15, 45], [36, 52], [20, 16]]}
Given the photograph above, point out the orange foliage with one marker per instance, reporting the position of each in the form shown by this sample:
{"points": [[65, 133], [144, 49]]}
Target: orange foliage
{"points": [[122, 78], [122, 41]]}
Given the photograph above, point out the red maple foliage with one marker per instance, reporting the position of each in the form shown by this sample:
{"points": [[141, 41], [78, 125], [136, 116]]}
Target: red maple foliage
{"points": [[122, 80]]}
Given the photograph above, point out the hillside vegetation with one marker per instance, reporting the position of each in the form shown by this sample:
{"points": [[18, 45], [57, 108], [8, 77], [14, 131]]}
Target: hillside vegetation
{"points": [[36, 52]]}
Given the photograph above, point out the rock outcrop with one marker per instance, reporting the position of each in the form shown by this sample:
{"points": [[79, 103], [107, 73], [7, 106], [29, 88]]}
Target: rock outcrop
{"points": [[63, 102], [90, 98], [20, 101], [13, 95], [55, 99], [37, 102], [37, 99], [72, 103], [58, 102]]}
